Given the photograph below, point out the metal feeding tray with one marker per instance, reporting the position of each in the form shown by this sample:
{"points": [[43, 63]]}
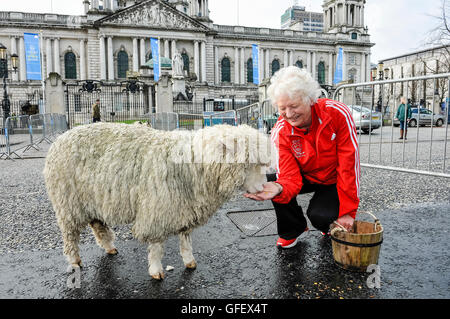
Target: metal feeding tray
{"points": [[256, 222]]}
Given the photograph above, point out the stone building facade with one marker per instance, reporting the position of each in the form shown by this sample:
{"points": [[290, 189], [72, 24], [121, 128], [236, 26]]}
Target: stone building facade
{"points": [[113, 37], [420, 63]]}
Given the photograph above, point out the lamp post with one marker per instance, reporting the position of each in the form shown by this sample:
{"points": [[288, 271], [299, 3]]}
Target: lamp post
{"points": [[380, 95], [6, 104]]}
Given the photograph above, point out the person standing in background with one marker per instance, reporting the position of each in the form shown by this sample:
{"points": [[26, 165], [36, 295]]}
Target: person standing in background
{"points": [[96, 111]]}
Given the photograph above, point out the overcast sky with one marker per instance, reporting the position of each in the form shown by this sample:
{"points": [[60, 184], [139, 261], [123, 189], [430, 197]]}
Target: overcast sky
{"points": [[396, 26]]}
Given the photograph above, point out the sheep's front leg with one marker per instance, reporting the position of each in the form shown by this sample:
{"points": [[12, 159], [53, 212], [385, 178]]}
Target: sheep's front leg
{"points": [[155, 254], [186, 250]]}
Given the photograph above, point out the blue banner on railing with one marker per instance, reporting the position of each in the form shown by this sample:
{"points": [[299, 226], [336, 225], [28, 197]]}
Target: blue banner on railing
{"points": [[155, 55], [32, 56], [338, 74], [255, 58]]}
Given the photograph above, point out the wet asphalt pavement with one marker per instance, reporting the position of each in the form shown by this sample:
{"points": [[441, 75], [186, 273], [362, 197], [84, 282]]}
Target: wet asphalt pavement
{"points": [[414, 259]]}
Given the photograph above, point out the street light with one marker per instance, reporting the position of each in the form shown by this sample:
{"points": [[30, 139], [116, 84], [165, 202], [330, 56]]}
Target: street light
{"points": [[380, 95], [6, 104], [380, 71]]}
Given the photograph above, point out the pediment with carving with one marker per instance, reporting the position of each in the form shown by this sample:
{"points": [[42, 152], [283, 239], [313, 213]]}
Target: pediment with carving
{"points": [[152, 13]]}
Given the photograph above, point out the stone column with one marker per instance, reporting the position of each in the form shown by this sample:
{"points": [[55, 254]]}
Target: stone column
{"points": [[363, 67], [166, 49], [142, 47], [111, 74], [196, 60], [357, 16], [344, 66], [102, 59], [216, 65], [48, 52], [261, 64], [267, 63], [22, 62], [330, 68], [15, 76], [243, 64], [236, 65], [362, 16], [174, 48], [56, 60], [308, 62], [285, 58], [203, 60], [135, 55], [313, 66], [291, 57], [106, 5], [82, 60], [368, 57]]}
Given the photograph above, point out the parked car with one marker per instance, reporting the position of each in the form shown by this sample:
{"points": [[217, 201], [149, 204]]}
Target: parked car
{"points": [[425, 118], [365, 119]]}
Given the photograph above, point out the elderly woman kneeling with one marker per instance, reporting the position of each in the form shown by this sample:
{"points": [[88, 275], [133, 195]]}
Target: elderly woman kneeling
{"points": [[318, 153]]}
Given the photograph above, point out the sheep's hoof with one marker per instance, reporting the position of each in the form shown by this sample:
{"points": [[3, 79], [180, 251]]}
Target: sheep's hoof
{"points": [[191, 265], [113, 251], [159, 276]]}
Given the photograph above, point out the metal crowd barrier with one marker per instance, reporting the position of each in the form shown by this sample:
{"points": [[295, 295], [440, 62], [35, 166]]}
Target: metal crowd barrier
{"points": [[218, 118], [190, 121], [425, 150], [250, 115], [26, 132]]}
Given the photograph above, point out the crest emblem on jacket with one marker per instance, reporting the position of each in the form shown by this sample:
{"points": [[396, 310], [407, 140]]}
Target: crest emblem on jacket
{"points": [[297, 148]]}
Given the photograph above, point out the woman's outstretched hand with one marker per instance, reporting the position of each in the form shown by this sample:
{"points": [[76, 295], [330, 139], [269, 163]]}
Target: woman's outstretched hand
{"points": [[270, 190]]}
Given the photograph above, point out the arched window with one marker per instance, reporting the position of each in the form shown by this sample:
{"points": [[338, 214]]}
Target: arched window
{"points": [[299, 64], [275, 66], [185, 62], [70, 65], [250, 70], [321, 73], [122, 64], [226, 70]]}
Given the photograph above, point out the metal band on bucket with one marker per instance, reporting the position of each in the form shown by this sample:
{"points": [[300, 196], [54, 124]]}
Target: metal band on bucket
{"points": [[355, 244]]}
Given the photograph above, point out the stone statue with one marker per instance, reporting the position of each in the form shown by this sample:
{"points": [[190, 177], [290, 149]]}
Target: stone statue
{"points": [[177, 65]]}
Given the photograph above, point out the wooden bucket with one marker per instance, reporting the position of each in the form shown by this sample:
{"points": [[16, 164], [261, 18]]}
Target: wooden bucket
{"points": [[359, 248]]}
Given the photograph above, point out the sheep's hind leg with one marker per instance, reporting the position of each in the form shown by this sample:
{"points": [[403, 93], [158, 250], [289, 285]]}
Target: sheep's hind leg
{"points": [[186, 250], [71, 239], [104, 236], [155, 255]]}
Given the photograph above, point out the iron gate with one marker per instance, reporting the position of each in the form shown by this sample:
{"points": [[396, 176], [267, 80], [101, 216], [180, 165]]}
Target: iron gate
{"points": [[119, 102]]}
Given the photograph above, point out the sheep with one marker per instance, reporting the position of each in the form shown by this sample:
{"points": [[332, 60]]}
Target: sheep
{"points": [[163, 183]]}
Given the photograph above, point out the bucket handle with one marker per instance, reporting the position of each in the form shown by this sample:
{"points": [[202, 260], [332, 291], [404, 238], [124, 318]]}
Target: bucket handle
{"points": [[340, 227], [376, 220], [335, 229]]}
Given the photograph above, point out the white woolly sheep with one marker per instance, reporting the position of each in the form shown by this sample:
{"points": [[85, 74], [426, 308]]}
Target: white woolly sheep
{"points": [[163, 183]]}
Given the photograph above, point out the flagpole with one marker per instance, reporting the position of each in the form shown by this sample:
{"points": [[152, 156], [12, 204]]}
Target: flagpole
{"points": [[41, 39], [237, 12]]}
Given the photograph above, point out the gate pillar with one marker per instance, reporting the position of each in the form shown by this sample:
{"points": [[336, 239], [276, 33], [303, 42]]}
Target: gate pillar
{"points": [[164, 94], [54, 94]]}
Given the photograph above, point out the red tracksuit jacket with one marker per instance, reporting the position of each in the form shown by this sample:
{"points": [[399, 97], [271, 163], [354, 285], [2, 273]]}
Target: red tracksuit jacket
{"points": [[328, 154]]}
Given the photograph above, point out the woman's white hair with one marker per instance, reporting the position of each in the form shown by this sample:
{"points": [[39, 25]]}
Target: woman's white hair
{"points": [[295, 83]]}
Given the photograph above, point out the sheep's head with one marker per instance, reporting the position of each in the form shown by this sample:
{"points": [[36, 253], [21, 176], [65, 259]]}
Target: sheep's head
{"points": [[244, 148]]}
